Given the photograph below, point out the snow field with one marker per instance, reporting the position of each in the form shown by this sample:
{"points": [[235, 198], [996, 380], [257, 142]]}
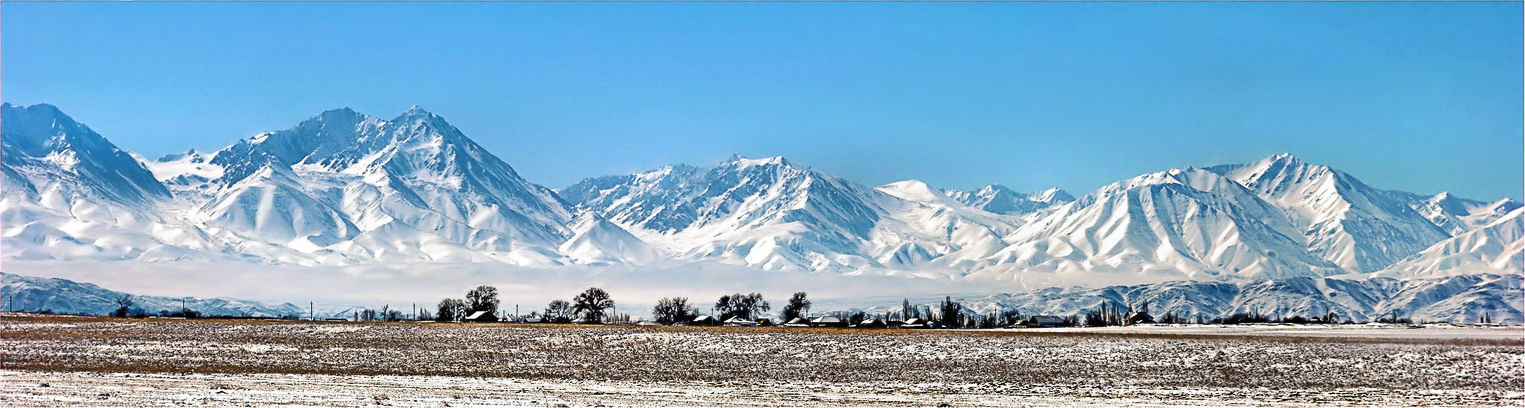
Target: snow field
{"points": [[537, 365]]}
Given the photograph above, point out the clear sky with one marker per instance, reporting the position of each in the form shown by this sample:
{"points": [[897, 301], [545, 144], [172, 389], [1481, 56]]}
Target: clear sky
{"points": [[1415, 96]]}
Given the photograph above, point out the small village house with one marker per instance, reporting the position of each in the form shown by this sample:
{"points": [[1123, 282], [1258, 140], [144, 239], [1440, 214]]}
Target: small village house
{"points": [[1045, 321]]}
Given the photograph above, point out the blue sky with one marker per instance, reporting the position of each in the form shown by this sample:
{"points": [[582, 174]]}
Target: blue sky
{"points": [[1415, 96]]}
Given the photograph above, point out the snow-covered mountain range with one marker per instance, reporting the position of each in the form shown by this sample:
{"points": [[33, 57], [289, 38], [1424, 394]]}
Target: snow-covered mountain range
{"points": [[1456, 299], [345, 188], [63, 296]]}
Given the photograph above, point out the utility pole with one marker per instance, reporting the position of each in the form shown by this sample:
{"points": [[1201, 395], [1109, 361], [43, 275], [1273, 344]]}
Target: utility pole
{"points": [[183, 309], [310, 315]]}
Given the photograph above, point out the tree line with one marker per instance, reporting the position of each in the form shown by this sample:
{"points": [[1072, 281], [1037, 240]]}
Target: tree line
{"points": [[593, 305], [590, 307]]}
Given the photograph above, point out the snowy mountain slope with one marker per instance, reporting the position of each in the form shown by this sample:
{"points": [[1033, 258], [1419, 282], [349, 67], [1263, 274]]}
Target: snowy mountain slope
{"points": [[273, 205], [49, 150], [1359, 228], [183, 171], [1001, 200], [25, 293], [1498, 247], [596, 241], [1457, 215], [776, 214], [1463, 298], [931, 227], [1177, 224], [769, 212], [413, 181], [72, 194], [340, 188], [1460, 299]]}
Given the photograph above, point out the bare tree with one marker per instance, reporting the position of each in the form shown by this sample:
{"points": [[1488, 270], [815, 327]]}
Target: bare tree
{"points": [[123, 302], [743, 306], [450, 310], [1010, 317], [798, 305], [673, 310], [952, 313], [590, 304], [558, 311], [483, 299], [908, 311]]}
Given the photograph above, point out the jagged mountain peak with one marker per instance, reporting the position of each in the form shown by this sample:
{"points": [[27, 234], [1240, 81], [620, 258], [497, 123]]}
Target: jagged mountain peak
{"points": [[1283, 168], [193, 155], [914, 190], [1052, 195], [1284, 160], [766, 212], [41, 129], [740, 162], [53, 147], [1190, 176], [344, 113], [332, 138], [999, 199], [1445, 201], [412, 180], [421, 121], [1498, 246], [1191, 223], [1504, 205], [1358, 227], [339, 139], [40, 109], [415, 111], [1454, 214], [993, 189], [1462, 207]]}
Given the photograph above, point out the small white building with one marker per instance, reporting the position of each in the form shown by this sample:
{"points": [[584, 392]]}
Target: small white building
{"points": [[480, 316], [738, 321], [705, 320], [832, 321], [914, 323], [871, 323]]}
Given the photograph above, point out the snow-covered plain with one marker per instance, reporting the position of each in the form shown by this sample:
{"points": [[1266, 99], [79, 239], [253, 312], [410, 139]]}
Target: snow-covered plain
{"points": [[1353, 332], [88, 389], [165, 362]]}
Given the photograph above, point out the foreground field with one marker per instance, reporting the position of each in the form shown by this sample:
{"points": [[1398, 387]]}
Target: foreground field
{"points": [[164, 362]]}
